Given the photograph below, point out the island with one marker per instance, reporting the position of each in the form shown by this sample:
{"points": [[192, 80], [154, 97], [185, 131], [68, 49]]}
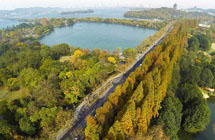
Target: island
{"points": [[77, 12]]}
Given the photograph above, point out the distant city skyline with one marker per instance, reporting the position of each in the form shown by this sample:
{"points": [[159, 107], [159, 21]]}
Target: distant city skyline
{"points": [[12, 4]]}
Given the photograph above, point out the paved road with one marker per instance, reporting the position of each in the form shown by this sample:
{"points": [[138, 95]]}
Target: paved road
{"points": [[76, 132]]}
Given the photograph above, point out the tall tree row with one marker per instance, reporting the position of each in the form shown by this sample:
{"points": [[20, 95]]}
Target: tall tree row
{"points": [[130, 108]]}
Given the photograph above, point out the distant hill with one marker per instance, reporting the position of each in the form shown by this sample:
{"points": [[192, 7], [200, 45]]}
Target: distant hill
{"points": [[77, 12], [166, 14], [35, 9], [27, 12], [31, 9], [39, 12], [195, 9]]}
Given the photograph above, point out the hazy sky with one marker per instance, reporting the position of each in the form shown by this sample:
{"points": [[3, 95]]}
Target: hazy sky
{"points": [[11, 4]]}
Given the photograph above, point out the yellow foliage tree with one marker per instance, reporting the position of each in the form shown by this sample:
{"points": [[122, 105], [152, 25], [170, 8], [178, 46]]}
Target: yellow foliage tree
{"points": [[112, 60], [77, 54]]}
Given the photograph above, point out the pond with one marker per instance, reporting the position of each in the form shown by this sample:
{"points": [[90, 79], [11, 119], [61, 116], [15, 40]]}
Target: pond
{"points": [[209, 132], [98, 35]]}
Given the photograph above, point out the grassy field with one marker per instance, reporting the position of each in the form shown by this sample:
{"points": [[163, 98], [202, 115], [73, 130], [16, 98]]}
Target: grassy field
{"points": [[65, 58], [3, 91], [13, 95], [213, 46]]}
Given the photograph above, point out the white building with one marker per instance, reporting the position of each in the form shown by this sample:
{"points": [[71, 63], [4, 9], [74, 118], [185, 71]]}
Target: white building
{"points": [[204, 25]]}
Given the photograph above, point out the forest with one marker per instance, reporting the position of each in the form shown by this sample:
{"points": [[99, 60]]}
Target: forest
{"points": [[43, 90], [184, 106], [133, 22], [128, 112], [167, 14], [40, 86]]}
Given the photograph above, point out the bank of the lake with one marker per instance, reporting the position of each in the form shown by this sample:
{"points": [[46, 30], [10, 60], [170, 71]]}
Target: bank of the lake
{"points": [[209, 132], [98, 35]]}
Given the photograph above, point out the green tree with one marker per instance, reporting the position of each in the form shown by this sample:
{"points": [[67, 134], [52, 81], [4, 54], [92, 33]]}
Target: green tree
{"points": [[193, 44], [26, 126], [46, 94], [196, 116], [206, 78], [29, 77], [6, 130], [192, 75], [130, 53], [51, 66], [91, 131], [170, 116], [205, 41], [60, 50], [188, 92], [13, 83], [28, 58]]}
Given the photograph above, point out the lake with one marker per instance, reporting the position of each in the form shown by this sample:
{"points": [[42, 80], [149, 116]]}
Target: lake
{"points": [[8, 23], [209, 132], [98, 12], [98, 35]]}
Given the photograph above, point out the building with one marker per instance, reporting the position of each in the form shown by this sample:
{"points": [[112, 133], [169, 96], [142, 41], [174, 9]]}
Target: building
{"points": [[175, 6], [204, 25]]}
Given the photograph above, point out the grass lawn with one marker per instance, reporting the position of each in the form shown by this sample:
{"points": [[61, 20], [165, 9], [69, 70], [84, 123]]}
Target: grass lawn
{"points": [[13, 95], [3, 90], [65, 58], [213, 46]]}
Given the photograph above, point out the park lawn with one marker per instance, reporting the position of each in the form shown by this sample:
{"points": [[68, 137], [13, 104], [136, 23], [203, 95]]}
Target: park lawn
{"points": [[13, 95], [213, 46], [2, 91], [65, 58]]}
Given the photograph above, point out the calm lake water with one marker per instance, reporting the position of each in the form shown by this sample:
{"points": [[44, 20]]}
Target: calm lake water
{"points": [[98, 35], [8, 23], [209, 133], [98, 12]]}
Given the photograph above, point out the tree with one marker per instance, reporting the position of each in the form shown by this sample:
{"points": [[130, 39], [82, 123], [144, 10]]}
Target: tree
{"points": [[196, 116], [60, 50], [112, 60], [188, 92], [6, 130], [192, 75], [193, 44], [118, 131], [127, 124], [13, 83], [156, 132], [51, 66], [26, 126], [130, 52], [46, 94], [170, 116], [118, 49], [206, 78], [28, 58], [29, 77], [91, 131], [47, 115], [205, 42]]}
